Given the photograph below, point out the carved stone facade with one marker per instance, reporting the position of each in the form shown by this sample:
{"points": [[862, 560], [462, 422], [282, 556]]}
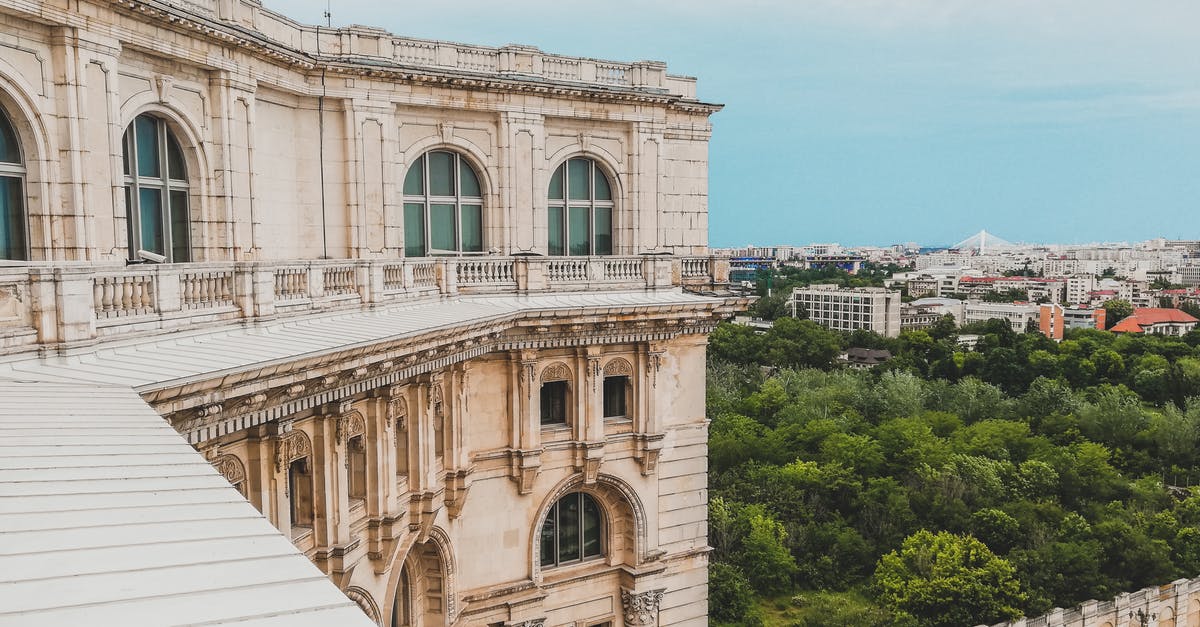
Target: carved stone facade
{"points": [[413, 468]]}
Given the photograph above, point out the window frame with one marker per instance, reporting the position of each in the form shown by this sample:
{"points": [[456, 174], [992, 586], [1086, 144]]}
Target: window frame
{"points": [[591, 204], [427, 199], [566, 404], [135, 182], [302, 514], [626, 389], [552, 520], [17, 170]]}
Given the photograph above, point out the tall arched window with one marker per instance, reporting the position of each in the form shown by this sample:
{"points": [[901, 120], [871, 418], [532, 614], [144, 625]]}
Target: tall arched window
{"points": [[156, 190], [573, 531], [581, 210], [12, 194], [443, 206]]}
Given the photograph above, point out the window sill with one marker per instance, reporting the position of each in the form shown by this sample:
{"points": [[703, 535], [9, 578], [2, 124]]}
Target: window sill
{"points": [[302, 537]]}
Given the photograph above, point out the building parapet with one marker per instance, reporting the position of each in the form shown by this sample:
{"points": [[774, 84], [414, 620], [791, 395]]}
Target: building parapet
{"points": [[62, 304]]}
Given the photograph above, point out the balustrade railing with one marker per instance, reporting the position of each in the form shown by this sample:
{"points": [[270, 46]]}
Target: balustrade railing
{"points": [[54, 303]]}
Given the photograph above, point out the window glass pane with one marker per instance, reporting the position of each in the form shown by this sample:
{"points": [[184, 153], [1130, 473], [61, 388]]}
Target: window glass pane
{"points": [[468, 182], [603, 230], [577, 178], [10, 148], [579, 235], [568, 528], [472, 228], [547, 549], [150, 206], [414, 183], [602, 190], [126, 151], [414, 229], [179, 226], [591, 527], [554, 402], [175, 167], [12, 219], [554, 223], [441, 227], [556, 191], [441, 174], [614, 396], [145, 131]]}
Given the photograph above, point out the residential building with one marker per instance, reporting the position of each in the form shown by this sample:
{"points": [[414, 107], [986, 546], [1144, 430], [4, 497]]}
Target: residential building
{"points": [[425, 346], [1054, 320], [1158, 321], [849, 309], [1018, 315], [864, 358], [914, 317], [943, 306]]}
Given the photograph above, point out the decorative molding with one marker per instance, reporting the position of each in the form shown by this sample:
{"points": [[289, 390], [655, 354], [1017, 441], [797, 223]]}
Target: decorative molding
{"points": [[532, 622], [289, 447], [618, 367], [363, 599], [230, 467], [594, 371], [557, 371], [641, 608], [350, 425]]}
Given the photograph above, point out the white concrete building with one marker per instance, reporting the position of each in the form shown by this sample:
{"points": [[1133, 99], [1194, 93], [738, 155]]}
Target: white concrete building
{"points": [[1017, 315], [848, 309]]}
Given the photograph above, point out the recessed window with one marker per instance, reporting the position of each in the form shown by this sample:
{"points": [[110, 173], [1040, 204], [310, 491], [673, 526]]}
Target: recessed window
{"points": [[573, 531], [554, 402], [443, 206], [580, 219], [616, 397], [300, 493], [356, 458], [156, 191], [13, 245]]}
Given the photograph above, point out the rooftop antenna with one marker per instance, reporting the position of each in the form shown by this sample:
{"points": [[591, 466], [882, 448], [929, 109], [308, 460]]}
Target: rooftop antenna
{"points": [[328, 14]]}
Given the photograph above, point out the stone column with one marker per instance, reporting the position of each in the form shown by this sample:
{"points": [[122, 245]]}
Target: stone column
{"points": [[523, 178]]}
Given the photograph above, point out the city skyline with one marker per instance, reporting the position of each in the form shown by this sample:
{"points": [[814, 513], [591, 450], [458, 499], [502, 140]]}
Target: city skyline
{"points": [[868, 123]]}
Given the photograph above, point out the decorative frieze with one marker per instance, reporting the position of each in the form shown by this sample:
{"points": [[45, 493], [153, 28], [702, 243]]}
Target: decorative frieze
{"points": [[289, 447]]}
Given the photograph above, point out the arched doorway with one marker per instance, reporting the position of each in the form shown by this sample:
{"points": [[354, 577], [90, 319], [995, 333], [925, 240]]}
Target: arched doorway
{"points": [[424, 593]]}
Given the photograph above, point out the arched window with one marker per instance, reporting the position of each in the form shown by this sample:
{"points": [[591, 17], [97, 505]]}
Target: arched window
{"points": [[156, 191], [443, 206], [573, 531], [12, 194], [581, 210]]}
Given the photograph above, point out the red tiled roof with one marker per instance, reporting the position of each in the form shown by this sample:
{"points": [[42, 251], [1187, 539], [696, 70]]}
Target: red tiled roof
{"points": [[1148, 316]]}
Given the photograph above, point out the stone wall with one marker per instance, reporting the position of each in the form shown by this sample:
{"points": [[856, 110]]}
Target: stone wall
{"points": [[1176, 604]]}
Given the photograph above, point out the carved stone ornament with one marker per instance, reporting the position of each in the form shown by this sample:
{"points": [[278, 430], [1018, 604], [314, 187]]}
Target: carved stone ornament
{"points": [[641, 608], [655, 365], [350, 425], [398, 413], [556, 372], [594, 370], [230, 467], [435, 394], [533, 622], [290, 447], [618, 368], [363, 600]]}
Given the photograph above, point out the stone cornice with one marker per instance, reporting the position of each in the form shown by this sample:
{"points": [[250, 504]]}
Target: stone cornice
{"points": [[254, 43], [231, 402]]}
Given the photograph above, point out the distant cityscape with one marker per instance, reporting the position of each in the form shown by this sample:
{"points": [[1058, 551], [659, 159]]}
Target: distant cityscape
{"points": [[1034, 287]]}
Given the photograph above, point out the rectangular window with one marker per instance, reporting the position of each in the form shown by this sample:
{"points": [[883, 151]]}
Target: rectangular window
{"points": [[554, 223], [300, 492], [577, 179], [554, 402], [150, 212], [146, 132], [441, 228], [579, 234], [12, 219], [568, 536], [615, 396], [591, 528], [472, 228], [441, 173], [603, 231], [356, 457], [179, 225], [414, 229]]}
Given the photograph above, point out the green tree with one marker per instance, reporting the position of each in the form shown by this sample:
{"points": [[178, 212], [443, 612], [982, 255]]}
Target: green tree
{"points": [[801, 343], [765, 558], [730, 594], [947, 580], [1116, 310]]}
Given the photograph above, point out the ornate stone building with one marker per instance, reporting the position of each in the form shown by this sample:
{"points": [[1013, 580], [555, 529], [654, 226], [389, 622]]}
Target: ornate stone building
{"points": [[438, 312]]}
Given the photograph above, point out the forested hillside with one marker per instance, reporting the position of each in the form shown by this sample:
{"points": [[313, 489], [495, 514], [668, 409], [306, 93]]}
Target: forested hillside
{"points": [[950, 486]]}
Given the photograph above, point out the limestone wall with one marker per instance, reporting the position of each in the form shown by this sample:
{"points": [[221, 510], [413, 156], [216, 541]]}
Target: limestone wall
{"points": [[1176, 604]]}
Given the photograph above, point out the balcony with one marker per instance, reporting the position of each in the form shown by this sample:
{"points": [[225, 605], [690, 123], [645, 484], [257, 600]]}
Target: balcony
{"points": [[61, 305]]}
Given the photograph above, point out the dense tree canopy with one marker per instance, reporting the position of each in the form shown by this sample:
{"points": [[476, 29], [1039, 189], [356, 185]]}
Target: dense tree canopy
{"points": [[951, 485]]}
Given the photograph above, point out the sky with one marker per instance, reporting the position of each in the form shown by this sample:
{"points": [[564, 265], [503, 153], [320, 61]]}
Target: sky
{"points": [[872, 122]]}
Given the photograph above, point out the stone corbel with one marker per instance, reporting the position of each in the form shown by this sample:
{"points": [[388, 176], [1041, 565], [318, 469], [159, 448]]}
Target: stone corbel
{"points": [[457, 486], [641, 608], [589, 457], [648, 449], [382, 535], [525, 468], [423, 510]]}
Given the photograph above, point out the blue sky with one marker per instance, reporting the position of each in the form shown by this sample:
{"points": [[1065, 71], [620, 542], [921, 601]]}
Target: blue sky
{"points": [[882, 121]]}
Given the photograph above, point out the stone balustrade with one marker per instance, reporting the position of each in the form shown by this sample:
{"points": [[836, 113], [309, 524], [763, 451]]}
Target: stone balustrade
{"points": [[62, 304]]}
